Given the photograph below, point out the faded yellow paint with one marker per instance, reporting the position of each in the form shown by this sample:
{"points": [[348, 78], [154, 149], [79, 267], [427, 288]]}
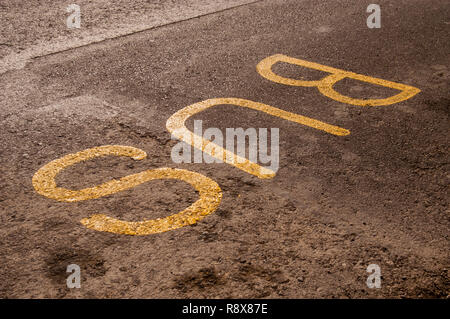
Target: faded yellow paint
{"points": [[176, 126], [209, 191], [326, 84]]}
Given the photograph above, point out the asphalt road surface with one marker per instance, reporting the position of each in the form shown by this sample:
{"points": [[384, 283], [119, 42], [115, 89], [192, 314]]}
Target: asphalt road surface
{"points": [[337, 204]]}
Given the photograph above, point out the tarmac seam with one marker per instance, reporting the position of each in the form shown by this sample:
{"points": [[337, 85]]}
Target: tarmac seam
{"points": [[19, 61]]}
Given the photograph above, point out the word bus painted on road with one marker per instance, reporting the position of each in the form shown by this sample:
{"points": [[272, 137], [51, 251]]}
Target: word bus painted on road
{"points": [[209, 191]]}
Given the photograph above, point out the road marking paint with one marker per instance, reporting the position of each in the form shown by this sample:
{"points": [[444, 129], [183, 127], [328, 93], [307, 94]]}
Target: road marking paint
{"points": [[176, 126], [325, 85], [209, 191]]}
